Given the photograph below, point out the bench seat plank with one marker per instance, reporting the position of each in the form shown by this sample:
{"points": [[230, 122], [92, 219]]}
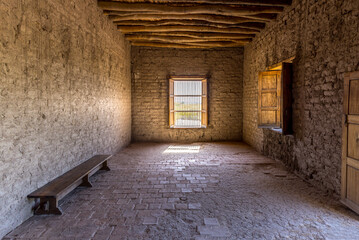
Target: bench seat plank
{"points": [[53, 191], [55, 187]]}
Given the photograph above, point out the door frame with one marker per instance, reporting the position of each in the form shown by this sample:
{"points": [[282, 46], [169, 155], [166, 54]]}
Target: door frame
{"points": [[345, 159]]}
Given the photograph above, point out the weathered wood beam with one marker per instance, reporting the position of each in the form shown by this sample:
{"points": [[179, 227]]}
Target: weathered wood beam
{"points": [[199, 35], [197, 9], [217, 44], [132, 29], [182, 39], [114, 16], [250, 25], [187, 45], [232, 2], [124, 13], [263, 17], [165, 45]]}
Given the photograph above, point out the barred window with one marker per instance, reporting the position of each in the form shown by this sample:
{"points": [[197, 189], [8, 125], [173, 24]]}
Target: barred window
{"points": [[188, 102]]}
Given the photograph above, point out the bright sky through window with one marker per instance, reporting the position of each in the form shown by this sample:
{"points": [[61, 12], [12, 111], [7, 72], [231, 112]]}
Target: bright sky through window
{"points": [[188, 102]]}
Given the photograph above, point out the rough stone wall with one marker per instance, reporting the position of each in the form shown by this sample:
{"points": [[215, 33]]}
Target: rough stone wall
{"points": [[150, 92], [65, 95], [324, 37]]}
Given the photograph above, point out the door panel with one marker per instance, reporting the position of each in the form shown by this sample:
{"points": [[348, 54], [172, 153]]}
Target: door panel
{"points": [[269, 99], [352, 184], [353, 141], [354, 97], [269, 82], [350, 149], [269, 117]]}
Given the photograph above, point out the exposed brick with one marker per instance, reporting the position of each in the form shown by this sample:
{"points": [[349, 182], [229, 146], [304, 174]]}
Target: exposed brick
{"points": [[64, 95], [211, 221], [323, 36], [150, 70], [150, 220]]}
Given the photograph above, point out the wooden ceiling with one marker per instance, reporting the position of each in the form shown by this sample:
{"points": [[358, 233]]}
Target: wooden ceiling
{"points": [[191, 23]]}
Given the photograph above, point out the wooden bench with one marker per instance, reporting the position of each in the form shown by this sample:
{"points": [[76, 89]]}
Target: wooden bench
{"points": [[51, 193]]}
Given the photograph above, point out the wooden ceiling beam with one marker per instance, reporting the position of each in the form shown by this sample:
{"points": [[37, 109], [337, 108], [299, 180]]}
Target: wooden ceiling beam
{"points": [[250, 25], [216, 43], [133, 29], [231, 2], [121, 16], [164, 45], [197, 9], [191, 23], [200, 17], [187, 45], [182, 39], [200, 35]]}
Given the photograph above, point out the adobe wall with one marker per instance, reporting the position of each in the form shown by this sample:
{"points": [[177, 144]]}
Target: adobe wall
{"points": [[323, 36], [65, 95], [151, 68]]}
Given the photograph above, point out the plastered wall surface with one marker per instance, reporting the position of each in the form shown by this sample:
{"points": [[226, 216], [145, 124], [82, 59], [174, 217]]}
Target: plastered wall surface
{"points": [[65, 95], [323, 35], [151, 68]]}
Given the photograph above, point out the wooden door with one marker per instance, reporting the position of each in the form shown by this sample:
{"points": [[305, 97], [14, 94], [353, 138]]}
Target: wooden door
{"points": [[350, 157]]}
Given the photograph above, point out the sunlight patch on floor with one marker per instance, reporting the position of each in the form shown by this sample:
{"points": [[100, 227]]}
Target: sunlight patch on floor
{"points": [[182, 149]]}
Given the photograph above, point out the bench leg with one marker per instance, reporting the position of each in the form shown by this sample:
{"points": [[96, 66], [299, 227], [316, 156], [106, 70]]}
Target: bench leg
{"points": [[86, 182], [48, 206], [105, 166]]}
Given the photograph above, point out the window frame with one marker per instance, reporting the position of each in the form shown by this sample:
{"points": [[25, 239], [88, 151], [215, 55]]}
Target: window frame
{"points": [[204, 105]]}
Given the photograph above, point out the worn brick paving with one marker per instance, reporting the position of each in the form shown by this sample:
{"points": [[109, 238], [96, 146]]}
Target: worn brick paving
{"points": [[196, 191]]}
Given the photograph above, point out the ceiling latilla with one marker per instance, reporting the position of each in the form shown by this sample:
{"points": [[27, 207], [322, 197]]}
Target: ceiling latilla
{"points": [[191, 23]]}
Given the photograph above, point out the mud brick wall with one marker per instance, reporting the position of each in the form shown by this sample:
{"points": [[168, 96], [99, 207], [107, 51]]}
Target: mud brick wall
{"points": [[323, 36], [65, 95], [150, 108]]}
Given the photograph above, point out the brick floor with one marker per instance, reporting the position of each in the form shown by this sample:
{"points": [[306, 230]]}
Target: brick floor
{"points": [[224, 191]]}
